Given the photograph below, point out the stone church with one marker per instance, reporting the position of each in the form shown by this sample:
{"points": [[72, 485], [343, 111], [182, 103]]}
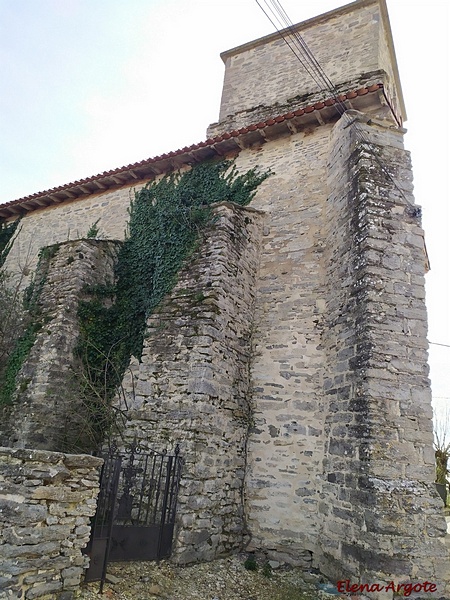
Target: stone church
{"points": [[292, 365]]}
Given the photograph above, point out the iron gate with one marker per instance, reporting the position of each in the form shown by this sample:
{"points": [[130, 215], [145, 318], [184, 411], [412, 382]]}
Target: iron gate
{"points": [[136, 505]]}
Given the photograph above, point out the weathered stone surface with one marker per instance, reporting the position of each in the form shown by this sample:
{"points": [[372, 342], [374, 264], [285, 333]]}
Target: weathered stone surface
{"points": [[48, 492], [43, 589], [40, 546], [20, 512], [48, 410], [193, 389], [292, 369], [375, 397]]}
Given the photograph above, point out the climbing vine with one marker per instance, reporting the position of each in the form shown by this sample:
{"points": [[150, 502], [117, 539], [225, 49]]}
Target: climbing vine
{"points": [[32, 322], [7, 231], [10, 306], [166, 220]]}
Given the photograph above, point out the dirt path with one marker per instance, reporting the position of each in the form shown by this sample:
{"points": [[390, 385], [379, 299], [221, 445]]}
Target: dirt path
{"points": [[225, 579]]}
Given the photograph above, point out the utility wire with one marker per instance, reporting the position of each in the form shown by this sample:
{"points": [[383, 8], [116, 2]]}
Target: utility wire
{"points": [[290, 45], [305, 56], [286, 23]]}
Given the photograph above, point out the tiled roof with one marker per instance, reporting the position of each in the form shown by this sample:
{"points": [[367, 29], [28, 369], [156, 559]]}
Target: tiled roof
{"points": [[219, 145]]}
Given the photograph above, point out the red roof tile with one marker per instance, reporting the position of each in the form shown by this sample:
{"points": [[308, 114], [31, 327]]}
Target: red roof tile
{"points": [[19, 206]]}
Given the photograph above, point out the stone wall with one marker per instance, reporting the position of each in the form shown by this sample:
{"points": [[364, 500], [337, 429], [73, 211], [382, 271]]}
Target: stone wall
{"points": [[290, 360], [351, 42], [192, 384], [46, 501], [69, 221], [47, 410], [286, 444], [382, 518]]}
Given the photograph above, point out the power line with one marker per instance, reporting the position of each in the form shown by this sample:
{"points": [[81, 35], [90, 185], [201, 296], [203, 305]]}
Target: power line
{"points": [[305, 56], [437, 344], [285, 21], [291, 46]]}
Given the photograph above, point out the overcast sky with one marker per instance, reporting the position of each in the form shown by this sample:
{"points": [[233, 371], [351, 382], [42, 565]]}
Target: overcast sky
{"points": [[90, 85]]}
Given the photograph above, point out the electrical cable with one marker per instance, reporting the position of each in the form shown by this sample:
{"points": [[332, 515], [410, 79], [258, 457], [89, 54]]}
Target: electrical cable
{"points": [[311, 65], [305, 56], [291, 47], [285, 20]]}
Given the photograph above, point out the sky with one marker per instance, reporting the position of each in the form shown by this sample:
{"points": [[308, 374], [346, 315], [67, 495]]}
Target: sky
{"points": [[91, 85]]}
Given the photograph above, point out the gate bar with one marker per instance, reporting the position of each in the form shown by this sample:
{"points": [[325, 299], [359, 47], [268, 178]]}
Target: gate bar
{"points": [[113, 495]]}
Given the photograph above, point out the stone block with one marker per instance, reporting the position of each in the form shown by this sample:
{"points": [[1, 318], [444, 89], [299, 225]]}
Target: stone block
{"points": [[43, 589], [21, 513], [66, 595], [436, 526], [60, 494], [20, 536]]}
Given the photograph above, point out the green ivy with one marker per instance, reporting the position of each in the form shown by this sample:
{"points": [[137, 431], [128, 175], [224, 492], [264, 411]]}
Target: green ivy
{"points": [[94, 230], [165, 221], [34, 321], [32, 293], [15, 362], [7, 231]]}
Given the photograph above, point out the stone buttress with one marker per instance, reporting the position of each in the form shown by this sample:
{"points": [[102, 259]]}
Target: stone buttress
{"points": [[192, 385], [382, 518], [47, 411]]}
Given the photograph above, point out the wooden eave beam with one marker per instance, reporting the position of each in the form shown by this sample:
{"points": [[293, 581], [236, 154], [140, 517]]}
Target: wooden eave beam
{"points": [[40, 202], [152, 171], [196, 157], [69, 193], [15, 211], [54, 198], [319, 118], [101, 186], [117, 179], [184, 159], [292, 125], [29, 205]]}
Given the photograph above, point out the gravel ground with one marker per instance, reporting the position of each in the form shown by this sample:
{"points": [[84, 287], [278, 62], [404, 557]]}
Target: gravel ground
{"points": [[225, 579]]}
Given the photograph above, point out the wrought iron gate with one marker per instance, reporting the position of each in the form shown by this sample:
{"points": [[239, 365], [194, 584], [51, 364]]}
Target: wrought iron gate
{"points": [[135, 509]]}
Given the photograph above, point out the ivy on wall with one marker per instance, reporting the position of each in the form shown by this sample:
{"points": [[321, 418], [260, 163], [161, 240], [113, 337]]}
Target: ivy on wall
{"points": [[166, 220], [10, 308], [32, 321], [7, 231]]}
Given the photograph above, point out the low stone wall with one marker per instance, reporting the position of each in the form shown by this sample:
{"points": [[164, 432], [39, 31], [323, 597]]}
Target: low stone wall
{"points": [[46, 501]]}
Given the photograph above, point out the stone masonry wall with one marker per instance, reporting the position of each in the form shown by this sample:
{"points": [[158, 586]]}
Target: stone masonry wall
{"points": [[192, 384], [382, 519], [291, 366], [68, 221], [46, 501], [285, 450], [348, 43], [48, 410]]}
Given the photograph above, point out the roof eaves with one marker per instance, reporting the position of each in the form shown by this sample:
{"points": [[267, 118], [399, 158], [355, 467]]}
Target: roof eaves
{"points": [[146, 169]]}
